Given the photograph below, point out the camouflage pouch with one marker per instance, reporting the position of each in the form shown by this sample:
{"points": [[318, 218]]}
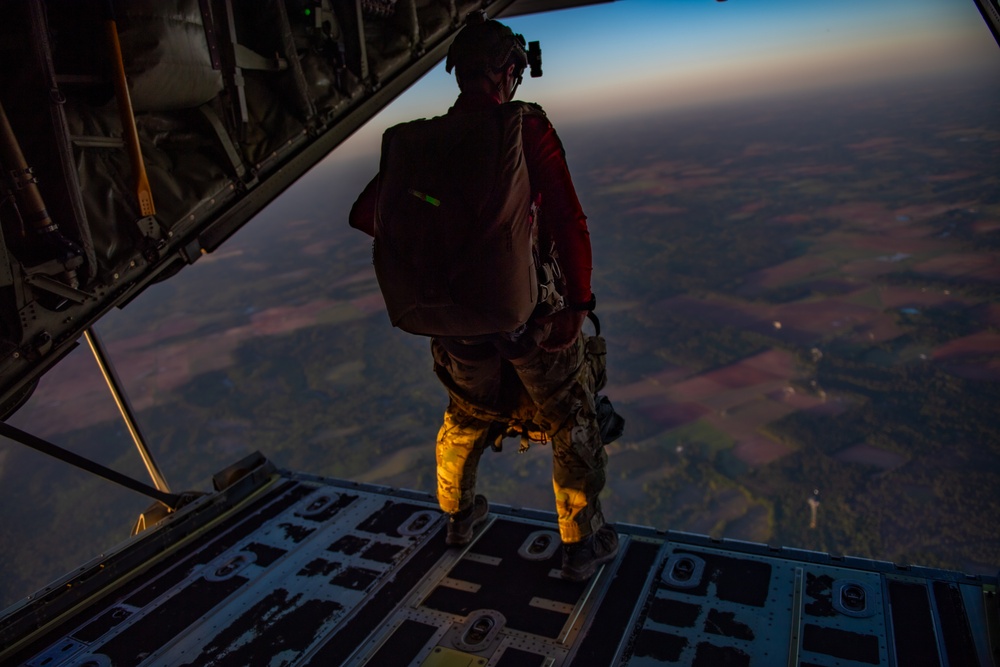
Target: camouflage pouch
{"points": [[611, 423], [595, 350]]}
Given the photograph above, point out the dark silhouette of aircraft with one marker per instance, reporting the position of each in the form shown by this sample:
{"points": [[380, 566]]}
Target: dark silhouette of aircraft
{"points": [[135, 139]]}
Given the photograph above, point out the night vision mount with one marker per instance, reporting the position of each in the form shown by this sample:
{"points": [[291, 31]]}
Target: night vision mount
{"points": [[535, 59]]}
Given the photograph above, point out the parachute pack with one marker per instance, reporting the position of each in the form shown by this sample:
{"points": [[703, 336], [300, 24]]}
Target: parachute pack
{"points": [[454, 226]]}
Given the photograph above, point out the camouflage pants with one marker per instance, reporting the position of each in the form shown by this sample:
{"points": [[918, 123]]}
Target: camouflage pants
{"points": [[561, 388]]}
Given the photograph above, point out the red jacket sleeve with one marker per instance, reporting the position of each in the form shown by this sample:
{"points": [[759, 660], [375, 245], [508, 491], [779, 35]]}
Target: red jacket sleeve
{"points": [[561, 217], [363, 212]]}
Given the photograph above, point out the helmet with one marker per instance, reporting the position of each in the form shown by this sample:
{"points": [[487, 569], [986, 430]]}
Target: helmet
{"points": [[485, 45]]}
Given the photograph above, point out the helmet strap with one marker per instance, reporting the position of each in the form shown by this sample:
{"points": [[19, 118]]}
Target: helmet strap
{"points": [[503, 79], [517, 82]]}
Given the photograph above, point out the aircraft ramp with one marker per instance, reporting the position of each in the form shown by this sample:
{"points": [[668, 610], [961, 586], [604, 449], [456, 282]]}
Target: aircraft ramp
{"points": [[291, 569]]}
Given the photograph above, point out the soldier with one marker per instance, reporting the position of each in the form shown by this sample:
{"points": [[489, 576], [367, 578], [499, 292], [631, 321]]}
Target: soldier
{"points": [[546, 359]]}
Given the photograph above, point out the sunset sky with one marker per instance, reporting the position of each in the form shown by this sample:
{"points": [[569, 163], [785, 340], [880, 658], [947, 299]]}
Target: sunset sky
{"points": [[639, 56]]}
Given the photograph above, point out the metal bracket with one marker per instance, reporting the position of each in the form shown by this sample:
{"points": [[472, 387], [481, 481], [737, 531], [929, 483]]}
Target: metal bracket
{"points": [[49, 284]]}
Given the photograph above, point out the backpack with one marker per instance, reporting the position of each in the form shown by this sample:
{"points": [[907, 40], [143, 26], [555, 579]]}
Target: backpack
{"points": [[454, 225]]}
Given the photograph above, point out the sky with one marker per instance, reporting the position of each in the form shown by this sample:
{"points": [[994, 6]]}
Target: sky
{"points": [[638, 56]]}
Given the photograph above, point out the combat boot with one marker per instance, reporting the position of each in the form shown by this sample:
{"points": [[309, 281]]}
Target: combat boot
{"points": [[461, 524], [580, 560]]}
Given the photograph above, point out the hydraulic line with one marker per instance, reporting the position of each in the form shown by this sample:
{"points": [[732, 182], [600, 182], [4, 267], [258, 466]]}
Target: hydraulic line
{"points": [[31, 203], [40, 229]]}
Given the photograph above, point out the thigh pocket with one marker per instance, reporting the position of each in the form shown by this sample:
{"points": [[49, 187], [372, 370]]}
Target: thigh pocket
{"points": [[586, 443], [596, 352]]}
